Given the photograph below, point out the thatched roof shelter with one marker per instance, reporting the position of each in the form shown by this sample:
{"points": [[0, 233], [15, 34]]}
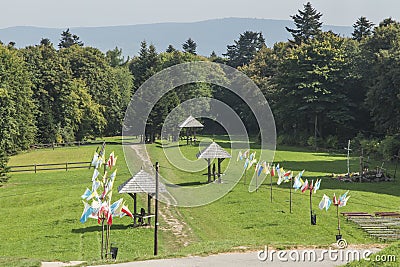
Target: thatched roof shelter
{"points": [[142, 182], [213, 151], [191, 124]]}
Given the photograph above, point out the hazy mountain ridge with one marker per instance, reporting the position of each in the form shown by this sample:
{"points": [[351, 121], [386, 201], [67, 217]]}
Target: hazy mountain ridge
{"points": [[210, 35]]}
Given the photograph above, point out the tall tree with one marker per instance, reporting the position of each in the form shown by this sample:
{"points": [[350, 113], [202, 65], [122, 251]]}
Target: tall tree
{"points": [[68, 39], [115, 57], [244, 49], [17, 125], [362, 29], [170, 49], [382, 50], [190, 46], [307, 23], [312, 87]]}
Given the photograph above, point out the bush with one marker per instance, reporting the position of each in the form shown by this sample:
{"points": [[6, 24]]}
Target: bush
{"points": [[390, 146]]}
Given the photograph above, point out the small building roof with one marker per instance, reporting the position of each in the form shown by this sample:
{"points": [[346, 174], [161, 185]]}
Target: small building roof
{"points": [[213, 151], [142, 182], [191, 122]]}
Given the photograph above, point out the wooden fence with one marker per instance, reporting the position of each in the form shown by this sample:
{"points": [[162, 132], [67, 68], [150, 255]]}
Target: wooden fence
{"points": [[49, 167]]}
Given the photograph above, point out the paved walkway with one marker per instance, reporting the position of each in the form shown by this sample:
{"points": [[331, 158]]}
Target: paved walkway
{"points": [[290, 258]]}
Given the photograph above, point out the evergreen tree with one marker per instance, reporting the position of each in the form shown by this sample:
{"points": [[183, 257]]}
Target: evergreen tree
{"points": [[244, 49], [115, 57], [307, 24], [170, 49], [362, 28], [190, 46], [68, 39]]}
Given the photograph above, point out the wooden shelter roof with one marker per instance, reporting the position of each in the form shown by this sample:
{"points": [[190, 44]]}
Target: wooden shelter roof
{"points": [[213, 151], [191, 122], [142, 182]]}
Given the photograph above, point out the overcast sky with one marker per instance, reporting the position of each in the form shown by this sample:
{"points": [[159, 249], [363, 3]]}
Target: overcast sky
{"points": [[74, 13]]}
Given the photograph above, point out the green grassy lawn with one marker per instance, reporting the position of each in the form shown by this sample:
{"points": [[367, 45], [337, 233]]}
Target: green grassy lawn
{"points": [[40, 212]]}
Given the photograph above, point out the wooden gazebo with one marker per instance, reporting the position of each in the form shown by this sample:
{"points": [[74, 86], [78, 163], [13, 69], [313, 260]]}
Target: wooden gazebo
{"points": [[191, 124], [213, 151], [142, 182]]}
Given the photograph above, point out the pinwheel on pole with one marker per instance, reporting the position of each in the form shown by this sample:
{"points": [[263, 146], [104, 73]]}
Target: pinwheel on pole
{"points": [[101, 208], [338, 202]]}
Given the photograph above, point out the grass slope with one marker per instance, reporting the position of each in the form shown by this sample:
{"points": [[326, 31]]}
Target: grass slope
{"points": [[40, 212]]}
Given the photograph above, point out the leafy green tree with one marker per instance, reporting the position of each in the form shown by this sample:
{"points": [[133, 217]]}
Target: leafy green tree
{"points": [[190, 46], [312, 88], [17, 125], [308, 24], [362, 29], [45, 67], [382, 52], [244, 49], [68, 39]]}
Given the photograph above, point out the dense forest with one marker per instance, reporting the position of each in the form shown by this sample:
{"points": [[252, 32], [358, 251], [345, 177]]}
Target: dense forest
{"points": [[323, 88]]}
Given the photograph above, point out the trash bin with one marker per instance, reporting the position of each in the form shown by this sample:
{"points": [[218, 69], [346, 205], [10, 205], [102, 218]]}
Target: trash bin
{"points": [[314, 219], [114, 252]]}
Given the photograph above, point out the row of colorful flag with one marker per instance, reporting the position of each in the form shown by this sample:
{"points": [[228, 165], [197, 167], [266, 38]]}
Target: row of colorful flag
{"points": [[273, 170]]}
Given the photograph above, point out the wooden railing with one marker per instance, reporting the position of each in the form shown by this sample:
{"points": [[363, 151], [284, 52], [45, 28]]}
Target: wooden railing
{"points": [[49, 167]]}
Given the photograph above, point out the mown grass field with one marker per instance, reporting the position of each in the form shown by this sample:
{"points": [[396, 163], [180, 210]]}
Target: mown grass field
{"points": [[40, 212]]}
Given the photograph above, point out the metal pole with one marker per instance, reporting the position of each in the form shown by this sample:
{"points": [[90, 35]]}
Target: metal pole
{"points": [[156, 215], [271, 185], [338, 218], [291, 184], [311, 206]]}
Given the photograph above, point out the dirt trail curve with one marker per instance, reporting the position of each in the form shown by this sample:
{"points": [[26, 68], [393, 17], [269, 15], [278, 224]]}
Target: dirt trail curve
{"points": [[170, 214]]}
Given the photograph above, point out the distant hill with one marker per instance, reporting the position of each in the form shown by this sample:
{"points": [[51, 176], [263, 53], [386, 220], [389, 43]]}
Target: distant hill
{"points": [[210, 35]]}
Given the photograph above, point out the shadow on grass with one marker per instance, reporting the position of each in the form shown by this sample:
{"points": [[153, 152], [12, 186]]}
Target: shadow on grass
{"points": [[97, 228]]}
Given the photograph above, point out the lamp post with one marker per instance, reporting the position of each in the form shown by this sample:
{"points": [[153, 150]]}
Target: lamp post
{"points": [[156, 215]]}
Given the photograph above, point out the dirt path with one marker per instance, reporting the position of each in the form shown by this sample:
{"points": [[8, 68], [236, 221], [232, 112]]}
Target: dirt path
{"points": [[171, 215]]}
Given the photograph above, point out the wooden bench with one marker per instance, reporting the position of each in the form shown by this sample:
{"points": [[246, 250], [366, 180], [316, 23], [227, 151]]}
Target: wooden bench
{"points": [[387, 214]]}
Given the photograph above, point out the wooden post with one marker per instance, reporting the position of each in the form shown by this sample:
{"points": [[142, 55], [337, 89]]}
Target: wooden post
{"points": [[209, 170], [134, 207], [219, 170], [156, 215], [66, 166], [315, 132], [348, 158], [148, 207], [213, 171], [395, 169], [35, 167]]}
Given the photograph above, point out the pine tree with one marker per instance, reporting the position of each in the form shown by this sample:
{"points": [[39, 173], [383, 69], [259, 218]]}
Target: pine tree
{"points": [[68, 39], [190, 46], [170, 49], [307, 24], [362, 28], [244, 49]]}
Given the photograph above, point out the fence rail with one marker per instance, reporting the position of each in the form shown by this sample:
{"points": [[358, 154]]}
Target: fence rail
{"points": [[50, 166]]}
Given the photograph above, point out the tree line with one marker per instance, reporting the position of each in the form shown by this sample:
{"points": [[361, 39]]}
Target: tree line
{"points": [[323, 88]]}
